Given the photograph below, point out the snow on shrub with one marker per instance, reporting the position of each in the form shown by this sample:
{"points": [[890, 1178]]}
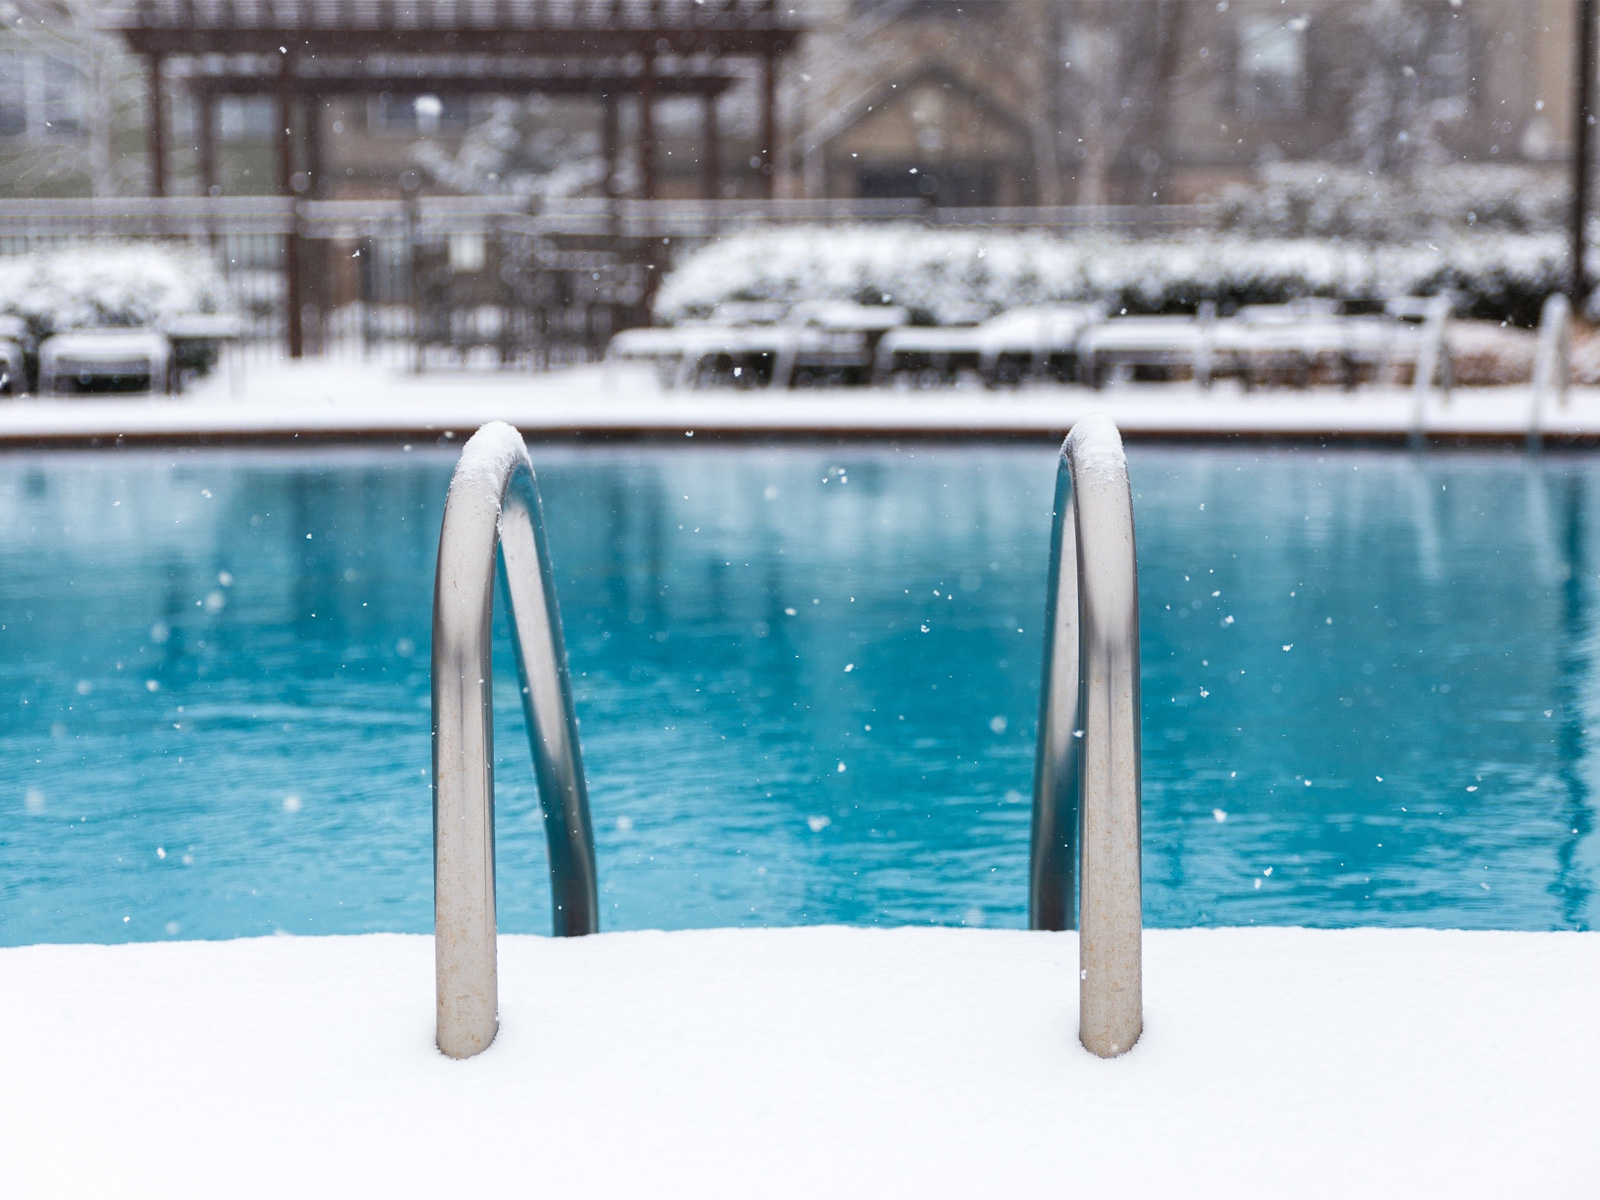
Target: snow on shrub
{"points": [[1310, 199], [949, 275], [115, 284]]}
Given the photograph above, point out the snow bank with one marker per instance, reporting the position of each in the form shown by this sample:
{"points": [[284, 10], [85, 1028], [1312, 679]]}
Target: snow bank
{"points": [[108, 284], [807, 1062], [345, 399], [950, 275]]}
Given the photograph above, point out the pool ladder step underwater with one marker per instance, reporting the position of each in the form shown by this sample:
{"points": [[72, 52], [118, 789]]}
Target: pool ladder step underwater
{"points": [[1085, 845]]}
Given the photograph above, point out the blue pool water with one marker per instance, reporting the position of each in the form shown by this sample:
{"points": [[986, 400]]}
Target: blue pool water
{"points": [[807, 679]]}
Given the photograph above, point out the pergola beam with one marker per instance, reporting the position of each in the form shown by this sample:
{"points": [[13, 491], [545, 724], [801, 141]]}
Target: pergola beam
{"points": [[544, 43], [461, 85]]}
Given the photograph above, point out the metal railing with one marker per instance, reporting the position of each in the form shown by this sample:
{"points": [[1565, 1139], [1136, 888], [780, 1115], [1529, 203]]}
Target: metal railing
{"points": [[494, 504], [1552, 367], [1086, 817], [538, 282], [1433, 360], [180, 216]]}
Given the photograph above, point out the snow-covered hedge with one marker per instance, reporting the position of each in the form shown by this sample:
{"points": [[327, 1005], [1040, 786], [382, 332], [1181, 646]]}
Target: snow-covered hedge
{"points": [[949, 275], [126, 284], [1292, 200]]}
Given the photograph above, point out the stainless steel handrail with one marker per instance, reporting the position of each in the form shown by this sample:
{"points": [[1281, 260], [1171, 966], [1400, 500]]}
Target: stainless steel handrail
{"points": [[1433, 358], [1087, 768], [494, 503], [1552, 366]]}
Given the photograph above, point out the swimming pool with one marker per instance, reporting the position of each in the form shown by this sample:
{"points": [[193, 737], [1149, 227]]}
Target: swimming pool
{"points": [[807, 678]]}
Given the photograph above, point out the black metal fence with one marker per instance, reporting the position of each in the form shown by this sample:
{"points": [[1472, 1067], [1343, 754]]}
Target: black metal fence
{"points": [[456, 279]]}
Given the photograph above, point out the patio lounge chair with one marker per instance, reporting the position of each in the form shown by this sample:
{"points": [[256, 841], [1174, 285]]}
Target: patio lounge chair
{"points": [[13, 369], [105, 360]]}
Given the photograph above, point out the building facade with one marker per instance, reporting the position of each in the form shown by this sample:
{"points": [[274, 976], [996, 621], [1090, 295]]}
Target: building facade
{"points": [[1110, 101], [955, 102]]}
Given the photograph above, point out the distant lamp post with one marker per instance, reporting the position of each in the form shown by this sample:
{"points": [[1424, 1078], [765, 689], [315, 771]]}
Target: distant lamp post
{"points": [[1582, 136]]}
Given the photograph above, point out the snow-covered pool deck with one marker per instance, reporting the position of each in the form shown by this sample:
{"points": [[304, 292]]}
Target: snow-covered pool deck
{"points": [[808, 1062], [317, 399]]}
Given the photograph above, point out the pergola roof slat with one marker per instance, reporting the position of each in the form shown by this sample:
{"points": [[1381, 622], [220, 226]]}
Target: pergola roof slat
{"points": [[378, 16]]}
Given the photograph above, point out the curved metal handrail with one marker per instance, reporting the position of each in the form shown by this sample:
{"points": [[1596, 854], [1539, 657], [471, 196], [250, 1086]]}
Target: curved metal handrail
{"points": [[494, 503], [1433, 360], [1552, 367], [1087, 768]]}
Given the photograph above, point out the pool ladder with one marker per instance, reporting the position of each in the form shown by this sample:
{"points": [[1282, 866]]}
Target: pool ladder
{"points": [[494, 505], [1086, 778], [1085, 844], [1552, 366]]}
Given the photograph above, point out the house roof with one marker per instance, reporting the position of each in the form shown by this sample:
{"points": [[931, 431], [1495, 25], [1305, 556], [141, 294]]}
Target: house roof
{"points": [[899, 90]]}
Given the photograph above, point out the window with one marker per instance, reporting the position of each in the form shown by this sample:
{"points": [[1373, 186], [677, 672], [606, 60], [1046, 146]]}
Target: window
{"points": [[246, 118], [913, 10], [61, 99], [951, 183], [40, 97], [1447, 72], [1271, 67], [419, 116], [13, 96], [1090, 54]]}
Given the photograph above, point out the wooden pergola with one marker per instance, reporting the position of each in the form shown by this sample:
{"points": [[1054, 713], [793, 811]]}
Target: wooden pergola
{"points": [[609, 87], [303, 51], [300, 50]]}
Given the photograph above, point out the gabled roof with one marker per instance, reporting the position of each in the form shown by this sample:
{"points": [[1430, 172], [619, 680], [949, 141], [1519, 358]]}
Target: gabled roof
{"points": [[936, 72]]}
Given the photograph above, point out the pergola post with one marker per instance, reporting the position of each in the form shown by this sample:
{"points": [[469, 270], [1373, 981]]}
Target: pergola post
{"points": [[1582, 139], [205, 115], [156, 129], [769, 123], [313, 138], [710, 152], [610, 139], [319, 281], [647, 128], [291, 241]]}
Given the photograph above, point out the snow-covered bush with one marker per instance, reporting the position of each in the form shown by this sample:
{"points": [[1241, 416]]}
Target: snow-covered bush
{"points": [[948, 275], [101, 284], [1328, 200]]}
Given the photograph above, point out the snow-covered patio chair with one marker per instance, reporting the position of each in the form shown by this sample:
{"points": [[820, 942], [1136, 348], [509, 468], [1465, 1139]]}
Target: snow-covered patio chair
{"points": [[826, 341], [1022, 343], [839, 341], [13, 370], [200, 340], [1038, 342], [105, 360], [673, 351], [1304, 342], [928, 355], [1161, 347]]}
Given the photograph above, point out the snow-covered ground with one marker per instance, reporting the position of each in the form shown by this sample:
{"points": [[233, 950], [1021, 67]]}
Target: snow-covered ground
{"points": [[808, 1062], [350, 399]]}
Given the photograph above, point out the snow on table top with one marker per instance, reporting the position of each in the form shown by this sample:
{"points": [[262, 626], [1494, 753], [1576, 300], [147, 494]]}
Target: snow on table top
{"points": [[351, 399], [808, 1062]]}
